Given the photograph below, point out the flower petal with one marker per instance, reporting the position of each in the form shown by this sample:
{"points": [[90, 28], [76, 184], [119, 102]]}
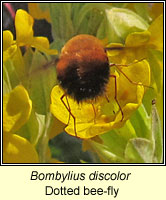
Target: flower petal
{"points": [[128, 110], [24, 31], [17, 149], [56, 128], [137, 44], [156, 30], [137, 39], [83, 113], [127, 55], [136, 73], [9, 52], [7, 39], [107, 115], [135, 48], [114, 49], [16, 109], [42, 44], [9, 48]]}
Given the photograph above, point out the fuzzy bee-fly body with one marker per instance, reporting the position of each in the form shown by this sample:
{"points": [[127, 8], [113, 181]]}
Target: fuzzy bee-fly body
{"points": [[83, 68]]}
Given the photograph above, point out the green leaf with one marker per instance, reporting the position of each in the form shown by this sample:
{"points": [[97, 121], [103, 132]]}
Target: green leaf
{"points": [[42, 145], [114, 142], [141, 123], [105, 154], [76, 7], [57, 44], [30, 130], [44, 6], [6, 87], [62, 27], [42, 78], [28, 57], [142, 10], [42, 121], [156, 64], [102, 30], [10, 75], [119, 5], [85, 10], [139, 150], [19, 64], [127, 131], [149, 95], [121, 22], [157, 136], [91, 22]]}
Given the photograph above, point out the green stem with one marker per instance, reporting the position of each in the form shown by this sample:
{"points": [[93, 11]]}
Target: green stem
{"points": [[43, 144]]}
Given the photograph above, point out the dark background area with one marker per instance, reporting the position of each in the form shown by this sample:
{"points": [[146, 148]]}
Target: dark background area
{"points": [[41, 27]]}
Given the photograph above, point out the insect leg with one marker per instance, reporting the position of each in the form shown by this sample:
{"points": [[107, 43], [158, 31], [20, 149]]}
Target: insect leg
{"points": [[127, 65], [69, 110], [113, 76], [133, 82], [94, 113], [107, 98]]}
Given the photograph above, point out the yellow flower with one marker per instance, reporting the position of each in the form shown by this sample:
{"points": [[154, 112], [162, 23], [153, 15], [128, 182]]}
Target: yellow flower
{"points": [[137, 44], [24, 37], [16, 111], [37, 13], [56, 128], [9, 45], [107, 115]]}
